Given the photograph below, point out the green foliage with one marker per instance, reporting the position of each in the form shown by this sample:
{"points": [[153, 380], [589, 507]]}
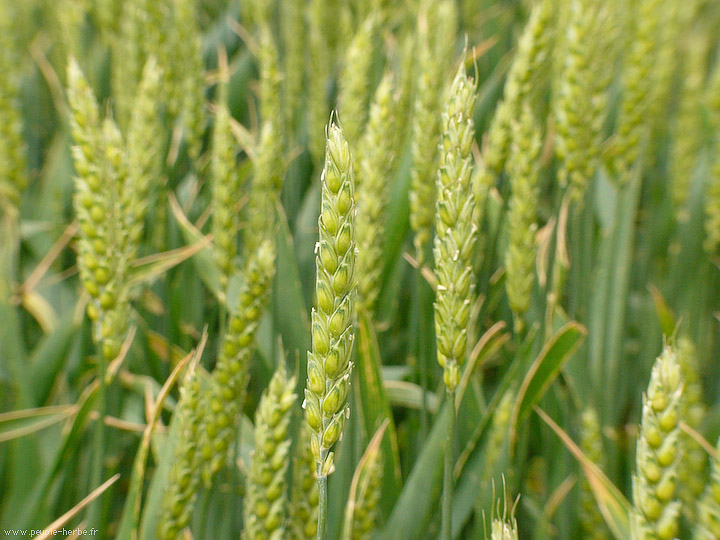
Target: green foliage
{"points": [[561, 157]]}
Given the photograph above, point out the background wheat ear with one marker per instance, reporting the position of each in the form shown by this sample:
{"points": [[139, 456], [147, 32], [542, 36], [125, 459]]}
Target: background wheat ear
{"points": [[657, 457], [708, 506], [304, 498], [266, 504]]}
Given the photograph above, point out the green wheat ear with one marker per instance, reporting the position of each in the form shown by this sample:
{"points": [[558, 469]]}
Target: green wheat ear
{"points": [[329, 365], [304, 498], [184, 477], [369, 489], [523, 171], [708, 507], [712, 202], [145, 143], [433, 57], [354, 83], [377, 170], [266, 504], [229, 379], [591, 443], [639, 79], [225, 182], [656, 511], [580, 108], [691, 470], [100, 166], [13, 176], [523, 83], [455, 229]]}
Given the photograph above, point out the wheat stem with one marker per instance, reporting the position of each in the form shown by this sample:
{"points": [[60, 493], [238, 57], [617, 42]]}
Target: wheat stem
{"points": [[322, 503], [448, 470]]}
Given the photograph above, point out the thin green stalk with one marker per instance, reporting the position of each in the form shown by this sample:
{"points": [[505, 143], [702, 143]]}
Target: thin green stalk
{"points": [[421, 356], [322, 503], [96, 476], [448, 471]]}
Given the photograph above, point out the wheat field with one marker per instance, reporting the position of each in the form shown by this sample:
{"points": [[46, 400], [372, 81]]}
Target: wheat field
{"points": [[360, 269]]}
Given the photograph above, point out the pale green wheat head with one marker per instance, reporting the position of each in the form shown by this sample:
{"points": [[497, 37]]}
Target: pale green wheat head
{"points": [[377, 170], [708, 506], [656, 510], [184, 476], [455, 229], [229, 379], [523, 171], [266, 502], [329, 364], [591, 443], [304, 497]]}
